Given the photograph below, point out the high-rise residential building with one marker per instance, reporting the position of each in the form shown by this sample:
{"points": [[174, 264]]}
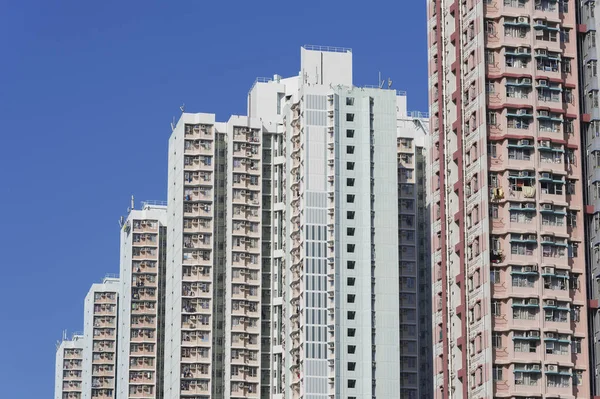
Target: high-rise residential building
{"points": [[509, 267], [414, 255], [68, 377], [141, 304], [100, 335], [292, 258]]}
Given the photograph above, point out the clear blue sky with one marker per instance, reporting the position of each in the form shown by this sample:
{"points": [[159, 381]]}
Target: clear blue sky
{"points": [[87, 92]]}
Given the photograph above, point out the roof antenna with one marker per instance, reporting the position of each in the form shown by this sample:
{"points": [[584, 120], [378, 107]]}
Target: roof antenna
{"points": [[132, 203], [380, 82], [182, 108], [389, 82]]}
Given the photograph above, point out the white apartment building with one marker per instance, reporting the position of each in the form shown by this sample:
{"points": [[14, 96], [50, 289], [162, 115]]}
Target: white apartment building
{"points": [[141, 307], [68, 378], [100, 339]]}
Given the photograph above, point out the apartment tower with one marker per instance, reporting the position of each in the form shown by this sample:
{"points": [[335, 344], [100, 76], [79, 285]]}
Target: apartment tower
{"points": [[141, 308], [100, 336], [333, 172], [509, 270], [68, 377], [414, 255]]}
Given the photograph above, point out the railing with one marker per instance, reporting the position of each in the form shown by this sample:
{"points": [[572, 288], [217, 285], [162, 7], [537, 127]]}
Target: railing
{"points": [[327, 48], [259, 79], [418, 114], [153, 203]]}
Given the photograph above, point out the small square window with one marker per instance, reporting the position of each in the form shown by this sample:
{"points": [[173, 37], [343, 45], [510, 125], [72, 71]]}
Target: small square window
{"points": [[350, 133], [349, 149], [350, 231], [351, 383], [350, 298], [349, 100], [350, 182], [351, 349], [349, 117], [350, 247], [351, 332], [351, 264], [350, 215], [351, 366], [350, 198], [351, 315], [350, 281], [350, 165]]}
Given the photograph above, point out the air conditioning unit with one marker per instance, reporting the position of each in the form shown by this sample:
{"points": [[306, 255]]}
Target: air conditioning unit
{"points": [[541, 52], [550, 367], [543, 82], [550, 302], [543, 113], [545, 143], [524, 173], [533, 301], [523, 20], [527, 269], [545, 175], [547, 207], [526, 81], [525, 142], [549, 270], [534, 333], [523, 50]]}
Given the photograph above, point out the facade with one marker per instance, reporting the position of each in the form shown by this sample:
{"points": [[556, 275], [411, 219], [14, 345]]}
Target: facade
{"points": [[142, 307], [69, 369], [509, 268], [414, 256], [335, 234], [100, 338], [590, 137]]}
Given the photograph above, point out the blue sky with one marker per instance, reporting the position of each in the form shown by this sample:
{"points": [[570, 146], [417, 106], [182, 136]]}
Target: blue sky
{"points": [[87, 92]]}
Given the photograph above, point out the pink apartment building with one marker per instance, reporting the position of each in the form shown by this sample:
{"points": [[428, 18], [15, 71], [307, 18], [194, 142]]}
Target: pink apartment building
{"points": [[509, 266]]}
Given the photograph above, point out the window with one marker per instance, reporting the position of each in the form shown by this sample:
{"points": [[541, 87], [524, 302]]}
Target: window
{"points": [[349, 149], [496, 308], [492, 149], [350, 182], [350, 133], [350, 231], [350, 281], [497, 373], [495, 276], [351, 383], [491, 119], [490, 57], [351, 349], [350, 165], [350, 264], [351, 366], [349, 100], [576, 345], [350, 215], [525, 346], [349, 117], [496, 340]]}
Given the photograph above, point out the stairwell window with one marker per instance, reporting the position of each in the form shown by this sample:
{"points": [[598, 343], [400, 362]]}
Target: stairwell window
{"points": [[349, 117]]}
